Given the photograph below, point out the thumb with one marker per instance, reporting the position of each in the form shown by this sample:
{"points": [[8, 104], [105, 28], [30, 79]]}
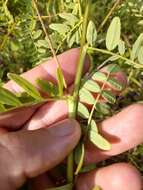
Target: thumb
{"points": [[32, 153]]}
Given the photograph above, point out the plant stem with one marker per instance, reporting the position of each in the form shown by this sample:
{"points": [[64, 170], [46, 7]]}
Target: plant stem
{"points": [[128, 61], [109, 14], [73, 114], [46, 33]]}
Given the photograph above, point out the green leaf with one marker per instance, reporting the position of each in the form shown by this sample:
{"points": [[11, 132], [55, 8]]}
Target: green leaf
{"points": [[99, 76], [91, 35], [42, 43], [108, 96], [65, 187], [72, 40], [37, 34], [92, 86], [72, 19], [103, 108], [99, 141], [83, 111], [93, 126], [86, 96], [79, 157], [113, 68], [121, 47], [136, 47], [47, 87], [26, 85], [114, 83], [140, 55], [8, 98], [60, 28], [61, 81], [113, 34], [2, 108]]}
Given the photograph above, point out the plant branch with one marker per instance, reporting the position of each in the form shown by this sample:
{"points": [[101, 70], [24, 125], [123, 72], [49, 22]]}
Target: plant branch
{"points": [[81, 60], [109, 14], [128, 61], [46, 34]]}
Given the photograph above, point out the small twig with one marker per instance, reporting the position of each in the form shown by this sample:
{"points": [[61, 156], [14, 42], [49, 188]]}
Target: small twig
{"points": [[109, 14], [46, 34], [83, 48], [47, 16], [126, 40], [80, 9]]}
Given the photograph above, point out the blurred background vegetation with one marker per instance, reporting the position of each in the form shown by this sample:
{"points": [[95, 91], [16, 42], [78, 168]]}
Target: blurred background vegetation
{"points": [[23, 44]]}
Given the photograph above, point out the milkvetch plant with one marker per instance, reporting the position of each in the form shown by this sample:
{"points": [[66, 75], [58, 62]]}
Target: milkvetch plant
{"points": [[90, 94]]}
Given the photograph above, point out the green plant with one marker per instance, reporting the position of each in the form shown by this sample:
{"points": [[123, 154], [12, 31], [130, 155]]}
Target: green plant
{"points": [[63, 26]]}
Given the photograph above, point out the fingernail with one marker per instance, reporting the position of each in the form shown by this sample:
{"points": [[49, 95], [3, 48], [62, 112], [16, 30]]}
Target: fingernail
{"points": [[64, 128]]}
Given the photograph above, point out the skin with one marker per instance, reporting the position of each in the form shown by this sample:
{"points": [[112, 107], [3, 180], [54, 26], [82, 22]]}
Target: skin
{"points": [[32, 139]]}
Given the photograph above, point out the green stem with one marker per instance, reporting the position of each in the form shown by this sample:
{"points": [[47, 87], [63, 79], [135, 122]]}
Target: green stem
{"points": [[70, 162], [128, 61]]}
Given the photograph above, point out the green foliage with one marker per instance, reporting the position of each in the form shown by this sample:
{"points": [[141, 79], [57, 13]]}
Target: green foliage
{"points": [[23, 45], [27, 86], [113, 34]]}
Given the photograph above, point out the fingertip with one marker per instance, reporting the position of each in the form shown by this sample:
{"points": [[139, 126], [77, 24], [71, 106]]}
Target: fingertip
{"points": [[120, 176], [77, 129]]}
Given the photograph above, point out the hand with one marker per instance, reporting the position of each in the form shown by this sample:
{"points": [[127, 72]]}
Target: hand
{"points": [[119, 130], [26, 153]]}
